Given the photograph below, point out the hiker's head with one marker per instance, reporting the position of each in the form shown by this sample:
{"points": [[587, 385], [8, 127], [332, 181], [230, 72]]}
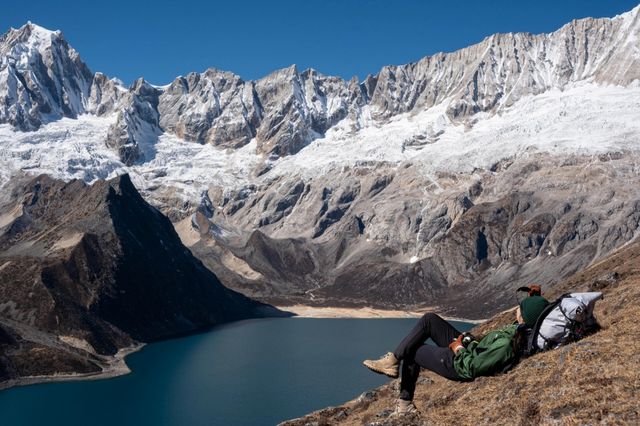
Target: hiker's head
{"points": [[531, 290], [531, 308], [535, 290]]}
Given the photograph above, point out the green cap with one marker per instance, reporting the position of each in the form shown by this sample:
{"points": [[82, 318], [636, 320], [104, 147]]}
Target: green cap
{"points": [[531, 308]]}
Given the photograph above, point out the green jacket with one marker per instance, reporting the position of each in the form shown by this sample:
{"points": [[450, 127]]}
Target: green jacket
{"points": [[488, 356]]}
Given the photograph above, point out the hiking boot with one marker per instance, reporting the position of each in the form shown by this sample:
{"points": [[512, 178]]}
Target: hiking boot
{"points": [[387, 365], [405, 407]]}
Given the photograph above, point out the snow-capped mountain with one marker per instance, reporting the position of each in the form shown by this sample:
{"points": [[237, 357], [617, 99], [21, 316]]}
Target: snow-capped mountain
{"points": [[43, 79], [486, 165]]}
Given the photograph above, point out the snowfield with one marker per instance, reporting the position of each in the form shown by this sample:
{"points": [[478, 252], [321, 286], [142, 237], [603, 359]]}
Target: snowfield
{"points": [[75, 149], [67, 148], [584, 119]]}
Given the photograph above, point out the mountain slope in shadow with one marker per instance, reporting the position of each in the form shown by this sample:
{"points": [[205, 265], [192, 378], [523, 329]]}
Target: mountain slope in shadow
{"points": [[87, 271]]}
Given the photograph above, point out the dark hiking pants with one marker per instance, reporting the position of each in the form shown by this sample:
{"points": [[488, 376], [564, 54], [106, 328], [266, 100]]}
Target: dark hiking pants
{"points": [[414, 353]]}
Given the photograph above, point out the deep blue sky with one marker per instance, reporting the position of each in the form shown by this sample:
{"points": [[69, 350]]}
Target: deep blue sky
{"points": [[160, 40]]}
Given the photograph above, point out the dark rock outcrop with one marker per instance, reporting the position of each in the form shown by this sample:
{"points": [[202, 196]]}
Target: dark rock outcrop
{"points": [[88, 270]]}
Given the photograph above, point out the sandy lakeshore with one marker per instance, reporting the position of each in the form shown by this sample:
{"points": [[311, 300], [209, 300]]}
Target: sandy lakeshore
{"points": [[303, 311]]}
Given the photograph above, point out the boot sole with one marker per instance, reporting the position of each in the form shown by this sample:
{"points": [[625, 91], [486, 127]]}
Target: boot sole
{"points": [[393, 373], [402, 413]]}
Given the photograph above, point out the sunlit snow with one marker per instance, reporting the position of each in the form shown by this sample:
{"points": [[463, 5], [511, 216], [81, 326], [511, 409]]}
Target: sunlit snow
{"points": [[583, 119]]}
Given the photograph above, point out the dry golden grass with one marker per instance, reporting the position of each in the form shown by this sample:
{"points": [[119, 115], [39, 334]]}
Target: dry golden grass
{"points": [[593, 381]]}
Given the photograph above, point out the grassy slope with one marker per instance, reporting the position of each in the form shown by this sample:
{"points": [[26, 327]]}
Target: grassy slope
{"points": [[593, 381]]}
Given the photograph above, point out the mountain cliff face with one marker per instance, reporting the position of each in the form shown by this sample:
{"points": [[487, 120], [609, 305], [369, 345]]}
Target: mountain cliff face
{"points": [[89, 270], [136, 128], [504, 68], [389, 239], [444, 182]]}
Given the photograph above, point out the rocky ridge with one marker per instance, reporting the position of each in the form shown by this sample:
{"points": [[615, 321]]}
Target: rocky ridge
{"points": [[90, 272], [389, 239]]}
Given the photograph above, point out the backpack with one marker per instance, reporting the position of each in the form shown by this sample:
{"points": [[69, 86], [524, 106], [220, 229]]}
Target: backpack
{"points": [[566, 320]]}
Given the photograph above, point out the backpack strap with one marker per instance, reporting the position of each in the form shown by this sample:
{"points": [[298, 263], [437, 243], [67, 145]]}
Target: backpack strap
{"points": [[532, 346]]}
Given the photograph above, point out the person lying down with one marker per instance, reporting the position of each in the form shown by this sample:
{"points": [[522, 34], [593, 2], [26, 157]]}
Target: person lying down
{"points": [[456, 356]]}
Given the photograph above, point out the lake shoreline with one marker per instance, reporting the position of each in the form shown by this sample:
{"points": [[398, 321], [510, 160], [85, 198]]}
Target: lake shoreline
{"points": [[306, 311], [236, 362], [115, 367]]}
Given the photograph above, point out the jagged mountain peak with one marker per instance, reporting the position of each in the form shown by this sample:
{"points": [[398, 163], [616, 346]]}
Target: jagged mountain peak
{"points": [[142, 86], [287, 109], [290, 71], [41, 32], [31, 34], [24, 47], [216, 73], [42, 78], [312, 72]]}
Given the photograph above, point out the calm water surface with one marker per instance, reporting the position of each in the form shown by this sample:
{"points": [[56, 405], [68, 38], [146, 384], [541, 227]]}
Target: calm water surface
{"points": [[257, 372]]}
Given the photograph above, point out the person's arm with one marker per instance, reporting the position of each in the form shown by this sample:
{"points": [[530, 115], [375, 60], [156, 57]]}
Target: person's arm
{"points": [[495, 352], [487, 356], [456, 345], [464, 361]]}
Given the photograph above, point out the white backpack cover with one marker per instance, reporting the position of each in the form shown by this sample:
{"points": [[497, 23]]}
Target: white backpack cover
{"points": [[572, 313]]}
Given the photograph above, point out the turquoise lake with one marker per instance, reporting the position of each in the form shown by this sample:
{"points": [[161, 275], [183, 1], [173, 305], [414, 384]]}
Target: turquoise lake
{"points": [[256, 372]]}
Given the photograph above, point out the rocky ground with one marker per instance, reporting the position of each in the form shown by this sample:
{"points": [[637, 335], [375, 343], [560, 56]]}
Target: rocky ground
{"points": [[593, 381]]}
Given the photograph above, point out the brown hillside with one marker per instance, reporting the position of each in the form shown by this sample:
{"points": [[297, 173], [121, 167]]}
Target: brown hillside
{"points": [[593, 381]]}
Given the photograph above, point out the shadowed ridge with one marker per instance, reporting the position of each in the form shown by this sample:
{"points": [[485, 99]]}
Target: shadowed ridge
{"points": [[105, 271]]}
